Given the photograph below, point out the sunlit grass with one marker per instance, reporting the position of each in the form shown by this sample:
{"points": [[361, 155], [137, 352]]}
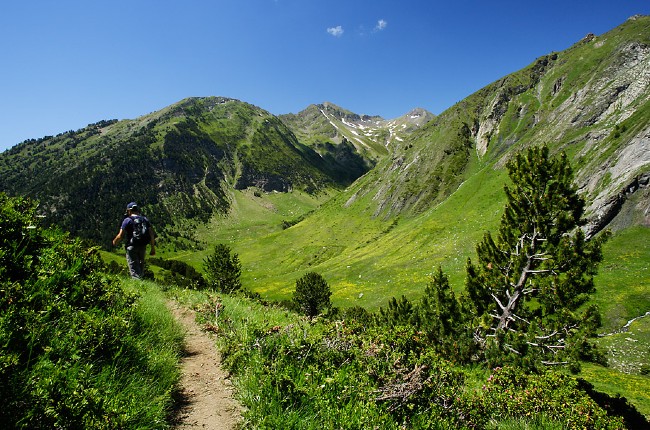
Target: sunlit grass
{"points": [[610, 381], [623, 282], [365, 259]]}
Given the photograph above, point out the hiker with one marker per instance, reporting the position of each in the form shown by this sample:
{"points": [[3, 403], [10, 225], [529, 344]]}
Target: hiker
{"points": [[137, 232]]}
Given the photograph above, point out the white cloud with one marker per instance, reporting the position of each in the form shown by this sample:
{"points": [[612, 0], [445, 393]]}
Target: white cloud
{"points": [[381, 24], [335, 31]]}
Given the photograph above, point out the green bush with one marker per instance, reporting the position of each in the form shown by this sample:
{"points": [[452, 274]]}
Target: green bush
{"points": [[299, 373], [75, 346], [179, 274], [511, 393]]}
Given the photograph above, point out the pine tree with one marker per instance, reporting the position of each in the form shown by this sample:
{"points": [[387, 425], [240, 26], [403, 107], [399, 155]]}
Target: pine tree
{"points": [[398, 312], [312, 294], [532, 279], [223, 269], [439, 312], [440, 317]]}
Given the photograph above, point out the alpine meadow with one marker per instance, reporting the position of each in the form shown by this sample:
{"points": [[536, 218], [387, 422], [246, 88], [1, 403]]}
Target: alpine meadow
{"points": [[487, 267]]}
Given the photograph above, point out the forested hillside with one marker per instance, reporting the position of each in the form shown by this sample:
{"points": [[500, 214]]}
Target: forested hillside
{"points": [[182, 164]]}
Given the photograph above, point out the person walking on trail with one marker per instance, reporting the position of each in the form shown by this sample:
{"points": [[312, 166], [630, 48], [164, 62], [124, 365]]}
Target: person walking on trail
{"points": [[137, 233]]}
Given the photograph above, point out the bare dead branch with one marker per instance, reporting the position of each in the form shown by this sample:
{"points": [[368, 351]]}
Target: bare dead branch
{"points": [[499, 301], [548, 336], [555, 363], [511, 349]]}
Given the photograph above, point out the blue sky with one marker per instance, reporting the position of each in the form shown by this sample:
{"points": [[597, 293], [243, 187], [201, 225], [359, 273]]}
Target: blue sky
{"points": [[68, 63]]}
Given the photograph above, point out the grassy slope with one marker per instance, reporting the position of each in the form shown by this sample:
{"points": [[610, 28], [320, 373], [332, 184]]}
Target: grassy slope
{"points": [[360, 254], [357, 254], [251, 219], [624, 279], [632, 387]]}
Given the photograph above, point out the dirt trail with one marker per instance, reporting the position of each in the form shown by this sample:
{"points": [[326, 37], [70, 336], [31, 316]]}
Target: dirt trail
{"points": [[206, 393]]}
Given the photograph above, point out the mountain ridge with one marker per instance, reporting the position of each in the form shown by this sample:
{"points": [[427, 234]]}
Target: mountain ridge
{"points": [[371, 135], [538, 104]]}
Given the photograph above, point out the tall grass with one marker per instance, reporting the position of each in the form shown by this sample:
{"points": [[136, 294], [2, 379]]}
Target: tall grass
{"points": [[130, 388], [159, 340]]}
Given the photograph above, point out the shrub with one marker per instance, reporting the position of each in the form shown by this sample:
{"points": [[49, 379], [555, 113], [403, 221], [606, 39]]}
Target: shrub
{"points": [[179, 274], [510, 392], [397, 312], [357, 314], [298, 374]]}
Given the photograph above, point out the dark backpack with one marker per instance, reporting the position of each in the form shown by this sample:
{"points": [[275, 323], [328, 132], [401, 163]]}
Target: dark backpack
{"points": [[141, 235]]}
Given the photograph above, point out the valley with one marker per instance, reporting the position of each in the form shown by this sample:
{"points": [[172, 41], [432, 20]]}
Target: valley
{"points": [[375, 206]]}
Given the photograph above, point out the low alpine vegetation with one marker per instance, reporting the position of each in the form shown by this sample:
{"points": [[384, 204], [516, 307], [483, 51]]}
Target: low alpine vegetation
{"points": [[295, 372]]}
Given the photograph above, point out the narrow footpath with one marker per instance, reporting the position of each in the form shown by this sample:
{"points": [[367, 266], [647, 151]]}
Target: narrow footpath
{"points": [[206, 400]]}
